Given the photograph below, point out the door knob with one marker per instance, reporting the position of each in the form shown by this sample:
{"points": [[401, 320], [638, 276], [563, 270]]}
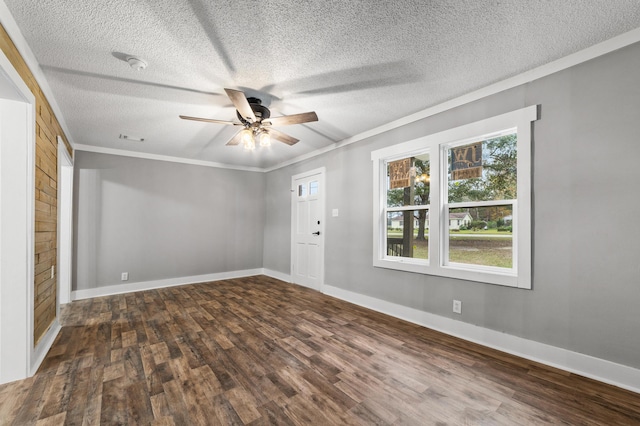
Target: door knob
{"points": [[316, 233]]}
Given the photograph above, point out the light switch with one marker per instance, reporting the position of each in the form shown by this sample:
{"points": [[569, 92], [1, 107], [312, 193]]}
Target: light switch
{"points": [[334, 212]]}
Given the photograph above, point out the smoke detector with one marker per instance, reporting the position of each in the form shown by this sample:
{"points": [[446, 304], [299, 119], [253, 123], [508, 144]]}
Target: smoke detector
{"points": [[136, 63]]}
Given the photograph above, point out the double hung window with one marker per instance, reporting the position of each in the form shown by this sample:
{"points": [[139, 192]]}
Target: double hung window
{"points": [[458, 203]]}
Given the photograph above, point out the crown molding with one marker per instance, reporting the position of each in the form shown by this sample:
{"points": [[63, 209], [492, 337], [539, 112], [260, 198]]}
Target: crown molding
{"points": [[158, 157]]}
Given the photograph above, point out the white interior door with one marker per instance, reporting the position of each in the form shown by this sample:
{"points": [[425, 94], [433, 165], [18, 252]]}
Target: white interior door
{"points": [[307, 228]]}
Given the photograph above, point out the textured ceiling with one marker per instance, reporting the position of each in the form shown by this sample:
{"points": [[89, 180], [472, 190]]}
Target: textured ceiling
{"points": [[358, 63]]}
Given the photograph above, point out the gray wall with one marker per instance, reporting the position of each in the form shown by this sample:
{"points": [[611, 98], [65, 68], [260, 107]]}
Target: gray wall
{"points": [[158, 220], [586, 285]]}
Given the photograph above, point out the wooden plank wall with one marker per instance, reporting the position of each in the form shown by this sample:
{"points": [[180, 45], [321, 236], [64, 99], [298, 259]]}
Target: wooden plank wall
{"points": [[46, 194]]}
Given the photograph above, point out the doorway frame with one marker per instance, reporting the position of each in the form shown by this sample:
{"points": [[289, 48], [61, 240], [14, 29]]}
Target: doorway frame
{"points": [[65, 225], [323, 172], [17, 223]]}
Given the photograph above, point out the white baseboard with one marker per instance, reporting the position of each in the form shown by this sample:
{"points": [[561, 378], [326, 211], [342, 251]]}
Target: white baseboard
{"points": [[584, 365], [43, 346], [169, 282], [277, 275]]}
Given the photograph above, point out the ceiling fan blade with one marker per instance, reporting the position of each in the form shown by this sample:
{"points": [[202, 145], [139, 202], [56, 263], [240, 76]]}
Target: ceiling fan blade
{"points": [[209, 120], [283, 137], [235, 140], [242, 105], [285, 120]]}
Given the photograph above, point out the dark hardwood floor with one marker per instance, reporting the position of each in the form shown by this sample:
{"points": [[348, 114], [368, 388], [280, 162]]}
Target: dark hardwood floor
{"points": [[257, 351]]}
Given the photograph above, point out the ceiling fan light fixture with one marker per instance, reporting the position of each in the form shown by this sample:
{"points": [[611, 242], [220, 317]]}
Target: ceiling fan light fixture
{"points": [[250, 145], [247, 139], [264, 138]]}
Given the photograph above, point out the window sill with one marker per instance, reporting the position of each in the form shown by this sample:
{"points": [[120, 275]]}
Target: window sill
{"points": [[402, 264], [494, 276]]}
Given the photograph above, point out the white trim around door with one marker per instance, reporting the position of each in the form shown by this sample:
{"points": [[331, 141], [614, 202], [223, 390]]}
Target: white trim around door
{"points": [[65, 223], [17, 199]]}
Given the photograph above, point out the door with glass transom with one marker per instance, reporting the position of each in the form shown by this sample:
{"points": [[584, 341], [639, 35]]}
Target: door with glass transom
{"points": [[307, 228]]}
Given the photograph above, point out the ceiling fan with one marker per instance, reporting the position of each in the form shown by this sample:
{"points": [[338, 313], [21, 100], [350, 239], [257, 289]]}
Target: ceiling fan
{"points": [[257, 122]]}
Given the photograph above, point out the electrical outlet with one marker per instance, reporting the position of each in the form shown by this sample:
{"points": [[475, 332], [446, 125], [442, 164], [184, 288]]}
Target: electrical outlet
{"points": [[457, 306], [125, 276]]}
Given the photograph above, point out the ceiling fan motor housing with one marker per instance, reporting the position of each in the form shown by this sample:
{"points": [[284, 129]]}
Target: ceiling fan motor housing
{"points": [[261, 112]]}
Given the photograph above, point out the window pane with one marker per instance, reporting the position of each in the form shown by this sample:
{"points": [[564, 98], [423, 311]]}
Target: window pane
{"points": [[302, 190], [484, 170], [481, 236], [313, 187], [408, 181], [408, 234]]}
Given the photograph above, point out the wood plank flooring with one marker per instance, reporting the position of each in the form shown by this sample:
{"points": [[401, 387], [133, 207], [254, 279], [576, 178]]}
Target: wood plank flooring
{"points": [[257, 351]]}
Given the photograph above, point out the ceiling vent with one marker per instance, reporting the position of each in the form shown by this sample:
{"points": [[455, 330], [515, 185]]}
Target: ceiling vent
{"points": [[131, 138]]}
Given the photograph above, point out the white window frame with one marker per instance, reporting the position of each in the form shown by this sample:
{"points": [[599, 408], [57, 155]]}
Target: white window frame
{"points": [[437, 146]]}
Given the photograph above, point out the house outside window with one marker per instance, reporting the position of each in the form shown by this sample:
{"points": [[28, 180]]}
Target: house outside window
{"points": [[458, 203]]}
